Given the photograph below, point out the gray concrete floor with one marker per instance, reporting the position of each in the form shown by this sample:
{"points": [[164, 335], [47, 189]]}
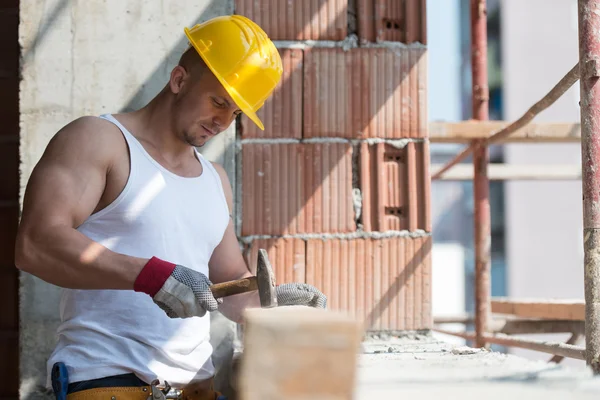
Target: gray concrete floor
{"points": [[422, 367]]}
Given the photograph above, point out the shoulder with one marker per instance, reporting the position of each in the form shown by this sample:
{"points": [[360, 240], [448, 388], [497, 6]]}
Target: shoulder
{"points": [[222, 173], [85, 136], [89, 128], [225, 183]]}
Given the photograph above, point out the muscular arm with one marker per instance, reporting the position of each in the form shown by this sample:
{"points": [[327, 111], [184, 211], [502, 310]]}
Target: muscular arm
{"points": [[63, 190], [227, 263]]}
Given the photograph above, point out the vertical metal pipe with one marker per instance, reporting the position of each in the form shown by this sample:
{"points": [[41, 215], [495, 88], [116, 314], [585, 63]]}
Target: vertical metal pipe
{"points": [[481, 186], [589, 64]]}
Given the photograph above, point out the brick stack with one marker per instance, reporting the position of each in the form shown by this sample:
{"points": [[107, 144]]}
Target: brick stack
{"points": [[337, 186]]}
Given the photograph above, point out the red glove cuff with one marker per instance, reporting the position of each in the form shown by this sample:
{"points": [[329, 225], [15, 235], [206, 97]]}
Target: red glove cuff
{"points": [[153, 276]]}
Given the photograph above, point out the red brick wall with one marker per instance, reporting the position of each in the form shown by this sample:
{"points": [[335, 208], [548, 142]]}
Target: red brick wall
{"points": [[342, 122], [298, 20], [9, 196]]}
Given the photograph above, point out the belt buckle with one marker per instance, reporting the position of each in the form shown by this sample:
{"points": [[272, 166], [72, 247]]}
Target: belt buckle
{"points": [[165, 393], [156, 393], [174, 394]]}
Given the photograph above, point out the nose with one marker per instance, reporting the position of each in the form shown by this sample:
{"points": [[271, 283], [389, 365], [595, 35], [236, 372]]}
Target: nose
{"points": [[217, 123], [223, 120]]}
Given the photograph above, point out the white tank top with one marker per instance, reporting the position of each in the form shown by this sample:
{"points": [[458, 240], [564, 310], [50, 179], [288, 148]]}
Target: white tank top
{"points": [[110, 332]]}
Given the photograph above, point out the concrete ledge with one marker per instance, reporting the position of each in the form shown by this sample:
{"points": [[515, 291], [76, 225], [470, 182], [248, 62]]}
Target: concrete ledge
{"points": [[426, 368]]}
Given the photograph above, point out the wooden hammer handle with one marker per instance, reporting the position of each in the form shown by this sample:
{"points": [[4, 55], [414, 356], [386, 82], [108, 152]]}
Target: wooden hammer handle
{"points": [[234, 287]]}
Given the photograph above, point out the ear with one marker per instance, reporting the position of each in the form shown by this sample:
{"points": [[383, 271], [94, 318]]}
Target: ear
{"points": [[176, 81]]}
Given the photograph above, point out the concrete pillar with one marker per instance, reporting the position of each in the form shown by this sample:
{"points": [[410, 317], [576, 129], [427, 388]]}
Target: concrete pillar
{"points": [[86, 58]]}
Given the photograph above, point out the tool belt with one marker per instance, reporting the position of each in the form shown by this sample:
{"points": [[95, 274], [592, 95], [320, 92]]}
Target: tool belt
{"points": [[201, 391]]}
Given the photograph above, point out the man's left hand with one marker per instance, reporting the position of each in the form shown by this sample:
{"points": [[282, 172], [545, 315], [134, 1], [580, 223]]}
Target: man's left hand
{"points": [[300, 294]]}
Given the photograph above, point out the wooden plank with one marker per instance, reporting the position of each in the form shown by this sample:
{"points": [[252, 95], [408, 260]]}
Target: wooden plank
{"points": [[556, 348], [516, 327], [466, 131], [299, 352], [576, 337], [463, 318], [567, 309], [504, 172]]}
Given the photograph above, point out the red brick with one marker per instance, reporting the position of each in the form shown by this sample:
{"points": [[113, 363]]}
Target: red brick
{"points": [[271, 188], [365, 93], [395, 187], [9, 298], [286, 255], [426, 278], [9, 165], [386, 283], [327, 187], [296, 188], [281, 115], [9, 219], [298, 20], [392, 20]]}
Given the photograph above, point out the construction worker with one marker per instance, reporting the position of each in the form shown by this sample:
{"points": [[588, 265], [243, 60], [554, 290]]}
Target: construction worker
{"points": [[134, 223]]}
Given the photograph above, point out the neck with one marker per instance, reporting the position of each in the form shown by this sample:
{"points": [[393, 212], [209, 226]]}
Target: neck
{"points": [[155, 127]]}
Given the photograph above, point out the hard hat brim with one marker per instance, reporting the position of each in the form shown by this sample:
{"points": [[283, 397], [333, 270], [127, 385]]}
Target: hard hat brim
{"points": [[238, 100]]}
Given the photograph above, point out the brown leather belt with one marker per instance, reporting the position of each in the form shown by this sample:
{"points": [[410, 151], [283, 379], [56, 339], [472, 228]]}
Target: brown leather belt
{"points": [[196, 391]]}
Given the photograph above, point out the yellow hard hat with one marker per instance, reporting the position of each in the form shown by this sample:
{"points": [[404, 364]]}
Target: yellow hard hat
{"points": [[242, 57]]}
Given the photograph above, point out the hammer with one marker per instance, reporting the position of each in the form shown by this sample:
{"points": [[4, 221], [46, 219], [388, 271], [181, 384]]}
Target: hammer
{"points": [[264, 281]]}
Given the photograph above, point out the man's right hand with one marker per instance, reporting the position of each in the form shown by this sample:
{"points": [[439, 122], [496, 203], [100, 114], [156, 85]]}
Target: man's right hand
{"points": [[181, 292]]}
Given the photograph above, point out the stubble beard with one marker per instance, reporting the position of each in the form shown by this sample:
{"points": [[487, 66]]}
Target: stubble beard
{"points": [[192, 141]]}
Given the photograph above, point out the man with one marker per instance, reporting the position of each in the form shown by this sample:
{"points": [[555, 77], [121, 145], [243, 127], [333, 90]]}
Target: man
{"points": [[124, 214]]}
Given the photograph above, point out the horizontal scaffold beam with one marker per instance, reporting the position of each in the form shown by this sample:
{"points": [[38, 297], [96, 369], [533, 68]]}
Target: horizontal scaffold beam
{"points": [[467, 131], [505, 172], [573, 310]]}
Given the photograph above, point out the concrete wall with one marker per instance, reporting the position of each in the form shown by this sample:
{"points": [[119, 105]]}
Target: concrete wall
{"points": [[85, 57], [544, 219]]}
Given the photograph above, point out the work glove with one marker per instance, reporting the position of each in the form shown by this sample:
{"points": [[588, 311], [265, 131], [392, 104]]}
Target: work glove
{"points": [[179, 291], [300, 294]]}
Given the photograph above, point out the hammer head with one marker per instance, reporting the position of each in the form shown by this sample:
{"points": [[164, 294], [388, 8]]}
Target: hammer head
{"points": [[265, 279]]}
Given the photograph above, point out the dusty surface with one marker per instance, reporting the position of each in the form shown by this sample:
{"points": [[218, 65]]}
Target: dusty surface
{"points": [[421, 367]]}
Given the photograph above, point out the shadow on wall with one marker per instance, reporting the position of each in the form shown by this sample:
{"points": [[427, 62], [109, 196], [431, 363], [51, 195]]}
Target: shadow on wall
{"points": [[38, 321], [42, 35]]}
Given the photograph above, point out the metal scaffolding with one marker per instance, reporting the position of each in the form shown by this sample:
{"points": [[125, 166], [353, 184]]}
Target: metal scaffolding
{"points": [[481, 184], [542, 316], [589, 53]]}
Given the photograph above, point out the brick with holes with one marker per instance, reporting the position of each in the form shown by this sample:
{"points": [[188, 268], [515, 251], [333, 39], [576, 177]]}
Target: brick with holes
{"points": [[395, 187], [392, 20]]}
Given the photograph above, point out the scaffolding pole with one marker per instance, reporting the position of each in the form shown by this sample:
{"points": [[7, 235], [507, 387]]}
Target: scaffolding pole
{"points": [[589, 63], [481, 184]]}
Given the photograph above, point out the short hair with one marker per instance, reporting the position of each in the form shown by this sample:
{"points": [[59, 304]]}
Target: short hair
{"points": [[192, 62]]}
